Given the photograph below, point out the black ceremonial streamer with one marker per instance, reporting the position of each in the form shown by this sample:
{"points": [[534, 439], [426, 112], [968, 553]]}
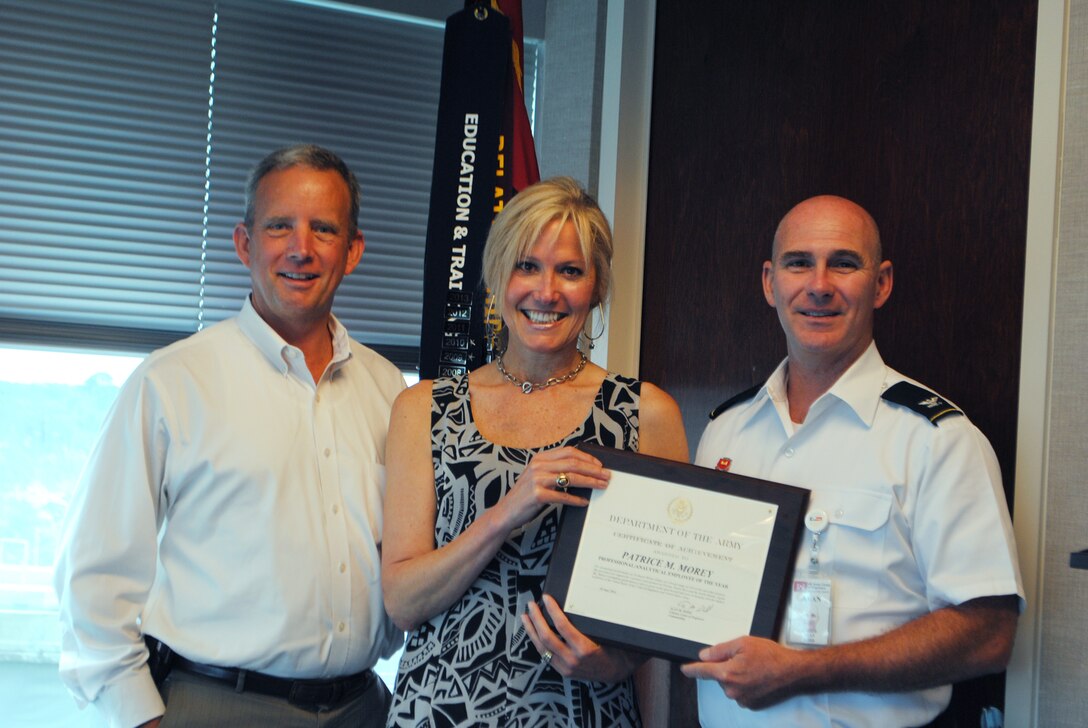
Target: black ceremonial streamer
{"points": [[475, 64]]}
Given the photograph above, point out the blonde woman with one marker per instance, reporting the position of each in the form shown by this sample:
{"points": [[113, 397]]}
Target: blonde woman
{"points": [[478, 471]]}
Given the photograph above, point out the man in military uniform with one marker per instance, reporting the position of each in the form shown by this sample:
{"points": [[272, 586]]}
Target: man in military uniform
{"points": [[906, 577]]}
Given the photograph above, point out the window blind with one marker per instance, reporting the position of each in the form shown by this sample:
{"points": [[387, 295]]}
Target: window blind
{"points": [[102, 129], [105, 142]]}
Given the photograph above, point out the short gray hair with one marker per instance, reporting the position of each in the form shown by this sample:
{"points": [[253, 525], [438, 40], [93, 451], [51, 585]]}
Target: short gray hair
{"points": [[305, 155]]}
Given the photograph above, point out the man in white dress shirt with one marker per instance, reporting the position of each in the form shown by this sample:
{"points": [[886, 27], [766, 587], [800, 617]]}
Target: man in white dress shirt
{"points": [[220, 565], [906, 577]]}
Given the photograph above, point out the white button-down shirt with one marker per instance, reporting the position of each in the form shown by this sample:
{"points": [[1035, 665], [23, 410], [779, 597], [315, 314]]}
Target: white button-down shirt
{"points": [[233, 510], [917, 516]]}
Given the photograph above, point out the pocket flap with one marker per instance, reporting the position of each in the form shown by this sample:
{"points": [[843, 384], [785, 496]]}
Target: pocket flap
{"points": [[861, 509]]}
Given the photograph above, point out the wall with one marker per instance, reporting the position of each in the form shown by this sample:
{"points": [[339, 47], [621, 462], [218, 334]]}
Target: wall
{"points": [[1063, 670], [568, 135]]}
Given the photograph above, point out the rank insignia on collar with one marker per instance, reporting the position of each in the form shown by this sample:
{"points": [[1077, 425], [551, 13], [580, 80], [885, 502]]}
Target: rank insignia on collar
{"points": [[724, 464], [931, 406]]}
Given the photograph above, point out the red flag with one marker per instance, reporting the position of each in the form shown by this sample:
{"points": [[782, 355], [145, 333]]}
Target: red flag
{"points": [[521, 162]]}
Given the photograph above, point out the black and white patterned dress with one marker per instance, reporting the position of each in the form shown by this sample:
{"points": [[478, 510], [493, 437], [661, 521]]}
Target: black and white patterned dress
{"points": [[474, 665]]}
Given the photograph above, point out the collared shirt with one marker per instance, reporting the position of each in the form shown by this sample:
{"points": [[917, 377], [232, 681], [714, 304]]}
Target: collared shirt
{"points": [[233, 509], [917, 516]]}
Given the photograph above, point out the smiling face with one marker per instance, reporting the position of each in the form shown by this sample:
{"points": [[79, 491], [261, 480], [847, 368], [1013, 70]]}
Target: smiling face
{"points": [[300, 245], [825, 280], [550, 293]]}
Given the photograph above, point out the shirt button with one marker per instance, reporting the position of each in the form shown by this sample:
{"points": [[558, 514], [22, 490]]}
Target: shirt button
{"points": [[789, 452], [328, 452], [335, 509], [341, 627], [838, 513], [317, 397], [343, 568]]}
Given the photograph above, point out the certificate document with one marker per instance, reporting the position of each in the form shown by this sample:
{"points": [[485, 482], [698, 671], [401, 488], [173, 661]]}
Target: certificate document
{"points": [[671, 557]]}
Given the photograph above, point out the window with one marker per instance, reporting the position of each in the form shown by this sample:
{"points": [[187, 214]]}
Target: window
{"points": [[54, 404]]}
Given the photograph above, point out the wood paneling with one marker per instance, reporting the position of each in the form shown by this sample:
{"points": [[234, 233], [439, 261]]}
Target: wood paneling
{"points": [[920, 112]]}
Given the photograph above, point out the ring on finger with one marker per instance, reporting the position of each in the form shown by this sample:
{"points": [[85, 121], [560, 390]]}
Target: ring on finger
{"points": [[546, 657], [562, 481]]}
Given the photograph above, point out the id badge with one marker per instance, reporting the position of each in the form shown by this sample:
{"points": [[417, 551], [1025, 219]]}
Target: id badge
{"points": [[809, 611]]}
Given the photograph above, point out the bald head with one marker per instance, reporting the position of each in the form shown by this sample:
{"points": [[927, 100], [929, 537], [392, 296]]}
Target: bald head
{"points": [[825, 278], [829, 215]]}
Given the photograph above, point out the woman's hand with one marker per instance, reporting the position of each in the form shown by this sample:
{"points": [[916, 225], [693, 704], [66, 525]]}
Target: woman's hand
{"points": [[545, 480], [573, 654]]}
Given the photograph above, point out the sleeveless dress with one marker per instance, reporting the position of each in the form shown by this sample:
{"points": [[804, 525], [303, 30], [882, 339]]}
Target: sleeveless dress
{"points": [[474, 664]]}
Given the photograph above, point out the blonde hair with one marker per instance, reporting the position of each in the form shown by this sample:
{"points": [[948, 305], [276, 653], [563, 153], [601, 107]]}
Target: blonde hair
{"points": [[522, 222]]}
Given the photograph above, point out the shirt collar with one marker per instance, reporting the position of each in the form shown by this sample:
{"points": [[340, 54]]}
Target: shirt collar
{"points": [[277, 351], [859, 387], [341, 342]]}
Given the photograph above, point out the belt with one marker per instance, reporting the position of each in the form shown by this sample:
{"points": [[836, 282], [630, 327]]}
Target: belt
{"points": [[301, 693]]}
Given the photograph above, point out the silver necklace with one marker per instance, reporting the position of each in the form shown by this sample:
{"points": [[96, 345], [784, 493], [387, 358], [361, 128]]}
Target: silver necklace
{"points": [[530, 387]]}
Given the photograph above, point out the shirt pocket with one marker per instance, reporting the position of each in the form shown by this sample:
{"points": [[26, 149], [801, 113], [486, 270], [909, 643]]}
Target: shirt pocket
{"points": [[857, 538]]}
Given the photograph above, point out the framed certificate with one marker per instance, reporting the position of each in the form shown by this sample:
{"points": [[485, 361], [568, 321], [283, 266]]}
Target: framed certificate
{"points": [[672, 557]]}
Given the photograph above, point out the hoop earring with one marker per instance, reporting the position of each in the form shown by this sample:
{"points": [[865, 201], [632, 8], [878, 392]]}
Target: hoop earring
{"points": [[493, 323], [589, 336]]}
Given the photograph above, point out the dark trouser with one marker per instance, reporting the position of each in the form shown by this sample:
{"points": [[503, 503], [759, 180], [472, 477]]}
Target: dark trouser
{"points": [[195, 701], [199, 695]]}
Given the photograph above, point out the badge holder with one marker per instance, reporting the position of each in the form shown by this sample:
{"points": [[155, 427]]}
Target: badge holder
{"points": [[809, 610]]}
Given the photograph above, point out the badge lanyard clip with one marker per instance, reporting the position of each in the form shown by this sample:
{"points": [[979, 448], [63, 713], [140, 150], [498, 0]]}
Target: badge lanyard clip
{"points": [[816, 523]]}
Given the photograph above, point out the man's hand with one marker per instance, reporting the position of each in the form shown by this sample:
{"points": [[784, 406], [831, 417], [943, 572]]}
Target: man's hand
{"points": [[753, 671], [951, 644]]}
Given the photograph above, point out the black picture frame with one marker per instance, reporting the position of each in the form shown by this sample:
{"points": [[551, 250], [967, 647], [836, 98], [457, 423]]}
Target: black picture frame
{"points": [[791, 502]]}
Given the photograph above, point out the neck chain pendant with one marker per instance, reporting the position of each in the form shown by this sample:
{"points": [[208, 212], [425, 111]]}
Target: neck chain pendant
{"points": [[530, 387]]}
